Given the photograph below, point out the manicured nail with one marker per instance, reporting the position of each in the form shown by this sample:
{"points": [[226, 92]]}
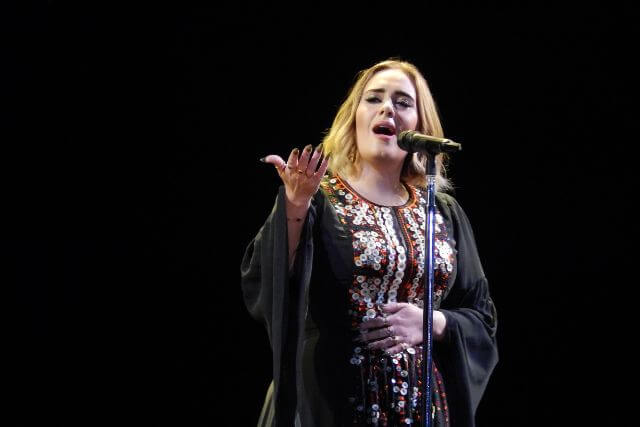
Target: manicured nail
{"points": [[308, 148], [319, 148], [296, 151]]}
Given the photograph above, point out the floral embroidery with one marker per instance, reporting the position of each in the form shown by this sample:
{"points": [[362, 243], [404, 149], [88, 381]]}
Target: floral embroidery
{"points": [[388, 255]]}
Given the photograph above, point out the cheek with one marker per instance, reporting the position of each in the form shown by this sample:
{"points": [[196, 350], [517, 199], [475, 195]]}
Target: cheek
{"points": [[411, 121], [361, 114], [362, 124]]}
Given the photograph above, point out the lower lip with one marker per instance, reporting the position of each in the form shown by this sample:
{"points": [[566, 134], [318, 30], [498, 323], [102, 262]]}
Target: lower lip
{"points": [[384, 137]]}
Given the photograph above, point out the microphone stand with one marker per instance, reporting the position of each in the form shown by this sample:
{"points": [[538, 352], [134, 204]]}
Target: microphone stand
{"points": [[412, 141], [427, 313]]}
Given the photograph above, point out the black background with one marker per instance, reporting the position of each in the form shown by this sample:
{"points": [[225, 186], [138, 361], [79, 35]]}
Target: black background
{"points": [[131, 186]]}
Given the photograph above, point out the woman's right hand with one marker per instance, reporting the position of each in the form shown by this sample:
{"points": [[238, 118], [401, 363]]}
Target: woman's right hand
{"points": [[299, 175]]}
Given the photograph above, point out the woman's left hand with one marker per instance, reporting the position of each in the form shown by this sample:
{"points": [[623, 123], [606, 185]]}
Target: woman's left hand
{"points": [[399, 328]]}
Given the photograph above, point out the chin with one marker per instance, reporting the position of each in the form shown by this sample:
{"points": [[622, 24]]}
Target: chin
{"points": [[387, 157], [386, 151], [390, 151]]}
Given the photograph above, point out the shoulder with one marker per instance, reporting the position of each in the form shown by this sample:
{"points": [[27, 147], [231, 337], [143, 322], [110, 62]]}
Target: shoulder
{"points": [[447, 200], [325, 193], [327, 182], [444, 201], [451, 207], [446, 204], [329, 187]]}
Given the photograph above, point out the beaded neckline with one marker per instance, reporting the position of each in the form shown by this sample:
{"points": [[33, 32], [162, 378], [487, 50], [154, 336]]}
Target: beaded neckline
{"points": [[409, 203]]}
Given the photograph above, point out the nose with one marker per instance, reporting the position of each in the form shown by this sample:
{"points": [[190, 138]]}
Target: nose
{"points": [[386, 109]]}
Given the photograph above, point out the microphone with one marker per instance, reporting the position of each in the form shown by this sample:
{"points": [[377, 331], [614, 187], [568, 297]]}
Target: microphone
{"points": [[412, 141]]}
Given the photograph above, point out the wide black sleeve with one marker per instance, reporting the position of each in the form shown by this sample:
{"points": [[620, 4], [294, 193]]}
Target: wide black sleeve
{"points": [[276, 297], [468, 352]]}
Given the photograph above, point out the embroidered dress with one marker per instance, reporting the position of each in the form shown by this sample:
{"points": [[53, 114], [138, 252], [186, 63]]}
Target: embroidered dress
{"points": [[388, 253], [353, 255]]}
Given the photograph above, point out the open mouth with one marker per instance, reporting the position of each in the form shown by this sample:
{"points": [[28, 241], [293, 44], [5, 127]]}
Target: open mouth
{"points": [[384, 130]]}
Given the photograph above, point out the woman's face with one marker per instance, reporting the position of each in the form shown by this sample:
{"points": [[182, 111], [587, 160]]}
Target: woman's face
{"points": [[387, 107]]}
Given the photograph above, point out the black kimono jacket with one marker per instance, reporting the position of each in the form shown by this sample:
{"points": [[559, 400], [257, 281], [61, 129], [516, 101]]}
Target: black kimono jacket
{"points": [[302, 312]]}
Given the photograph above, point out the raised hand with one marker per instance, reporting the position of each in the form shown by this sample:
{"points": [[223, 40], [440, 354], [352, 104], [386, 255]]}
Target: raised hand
{"points": [[300, 173]]}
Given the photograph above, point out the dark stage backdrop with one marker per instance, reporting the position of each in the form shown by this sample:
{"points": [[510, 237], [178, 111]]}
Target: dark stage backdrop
{"points": [[131, 186]]}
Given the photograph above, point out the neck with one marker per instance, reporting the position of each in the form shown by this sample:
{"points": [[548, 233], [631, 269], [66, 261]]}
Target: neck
{"points": [[379, 180]]}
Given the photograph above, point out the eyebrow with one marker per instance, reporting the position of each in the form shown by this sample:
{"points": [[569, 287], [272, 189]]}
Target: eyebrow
{"points": [[380, 90]]}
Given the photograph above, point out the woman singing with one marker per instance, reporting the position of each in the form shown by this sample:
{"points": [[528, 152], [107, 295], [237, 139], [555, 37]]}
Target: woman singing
{"points": [[336, 274]]}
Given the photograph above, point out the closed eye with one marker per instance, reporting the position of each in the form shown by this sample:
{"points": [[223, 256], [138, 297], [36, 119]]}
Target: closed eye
{"points": [[404, 103]]}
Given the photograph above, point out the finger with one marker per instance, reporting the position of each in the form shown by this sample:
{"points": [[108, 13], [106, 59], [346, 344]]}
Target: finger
{"points": [[397, 348], [315, 159], [304, 158], [275, 160], [380, 344], [292, 162], [393, 307], [384, 343], [376, 334], [377, 322], [323, 166]]}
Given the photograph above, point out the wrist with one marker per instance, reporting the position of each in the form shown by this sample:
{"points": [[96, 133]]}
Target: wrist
{"points": [[439, 325], [297, 211], [298, 204]]}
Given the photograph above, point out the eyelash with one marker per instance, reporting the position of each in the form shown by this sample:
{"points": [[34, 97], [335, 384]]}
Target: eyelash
{"points": [[403, 103]]}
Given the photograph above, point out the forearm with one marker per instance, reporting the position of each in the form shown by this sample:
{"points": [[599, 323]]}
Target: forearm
{"points": [[301, 175], [296, 214]]}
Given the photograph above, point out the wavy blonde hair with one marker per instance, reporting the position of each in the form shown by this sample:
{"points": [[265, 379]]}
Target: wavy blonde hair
{"points": [[340, 140]]}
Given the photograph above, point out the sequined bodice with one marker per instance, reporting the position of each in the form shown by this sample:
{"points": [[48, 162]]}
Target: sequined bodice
{"points": [[388, 255]]}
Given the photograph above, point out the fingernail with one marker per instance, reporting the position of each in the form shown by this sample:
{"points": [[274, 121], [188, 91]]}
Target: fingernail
{"points": [[296, 151], [308, 148], [262, 159], [319, 148]]}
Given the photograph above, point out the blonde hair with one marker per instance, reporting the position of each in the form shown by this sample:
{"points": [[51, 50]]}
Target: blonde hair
{"points": [[340, 140]]}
